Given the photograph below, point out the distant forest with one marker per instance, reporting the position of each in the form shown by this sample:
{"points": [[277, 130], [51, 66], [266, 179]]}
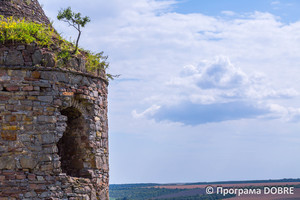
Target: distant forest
{"points": [[148, 192]]}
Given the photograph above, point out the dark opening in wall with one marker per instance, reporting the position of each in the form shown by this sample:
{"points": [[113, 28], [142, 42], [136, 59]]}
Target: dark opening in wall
{"points": [[71, 147]]}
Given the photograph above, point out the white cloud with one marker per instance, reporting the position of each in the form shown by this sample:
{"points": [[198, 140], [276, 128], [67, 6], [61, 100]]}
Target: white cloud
{"points": [[219, 73], [275, 2], [228, 13], [220, 78], [221, 90], [288, 114], [147, 113]]}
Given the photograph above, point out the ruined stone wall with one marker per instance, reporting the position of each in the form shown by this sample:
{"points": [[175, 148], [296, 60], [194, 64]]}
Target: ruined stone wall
{"points": [[29, 9], [53, 130]]}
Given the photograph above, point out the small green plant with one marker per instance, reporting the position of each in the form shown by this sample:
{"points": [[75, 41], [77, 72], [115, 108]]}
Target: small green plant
{"points": [[21, 31], [65, 51], [75, 20], [97, 62]]}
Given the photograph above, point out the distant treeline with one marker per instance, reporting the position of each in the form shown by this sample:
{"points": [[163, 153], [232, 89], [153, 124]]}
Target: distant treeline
{"points": [[120, 186], [200, 197], [148, 192], [138, 192]]}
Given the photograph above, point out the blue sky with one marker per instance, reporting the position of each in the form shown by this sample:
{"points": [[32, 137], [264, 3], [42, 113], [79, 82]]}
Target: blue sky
{"points": [[209, 90], [287, 10]]}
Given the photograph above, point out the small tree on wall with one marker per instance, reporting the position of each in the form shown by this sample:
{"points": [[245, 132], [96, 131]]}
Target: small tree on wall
{"points": [[75, 20]]}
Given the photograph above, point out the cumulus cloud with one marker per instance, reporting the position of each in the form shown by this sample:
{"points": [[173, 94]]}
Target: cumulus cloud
{"points": [[216, 90], [219, 73], [223, 80]]}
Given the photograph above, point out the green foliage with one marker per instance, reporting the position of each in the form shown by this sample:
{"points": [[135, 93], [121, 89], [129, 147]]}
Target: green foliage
{"points": [[65, 51], [75, 20], [72, 18], [21, 31], [96, 61]]}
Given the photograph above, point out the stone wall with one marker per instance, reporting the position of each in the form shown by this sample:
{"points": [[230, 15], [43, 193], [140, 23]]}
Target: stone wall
{"points": [[53, 130], [33, 55], [29, 9]]}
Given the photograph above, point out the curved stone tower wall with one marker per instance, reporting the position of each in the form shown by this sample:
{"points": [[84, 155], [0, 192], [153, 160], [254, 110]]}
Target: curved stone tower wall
{"points": [[53, 130]]}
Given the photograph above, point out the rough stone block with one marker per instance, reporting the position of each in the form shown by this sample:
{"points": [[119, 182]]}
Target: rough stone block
{"points": [[48, 59], [68, 93], [4, 98], [10, 128], [21, 47], [37, 57], [47, 167], [40, 178], [28, 88], [12, 88], [45, 98], [46, 158], [14, 58], [7, 162], [9, 135], [36, 74], [28, 162], [20, 177], [31, 47], [5, 78], [48, 138], [31, 177], [10, 118], [2, 178], [48, 119]]}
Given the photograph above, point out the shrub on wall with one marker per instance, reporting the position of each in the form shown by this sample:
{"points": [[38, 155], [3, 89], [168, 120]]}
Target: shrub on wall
{"points": [[16, 31]]}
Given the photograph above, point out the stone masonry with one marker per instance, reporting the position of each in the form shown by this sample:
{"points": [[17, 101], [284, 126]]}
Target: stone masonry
{"points": [[53, 122], [29, 9], [54, 132]]}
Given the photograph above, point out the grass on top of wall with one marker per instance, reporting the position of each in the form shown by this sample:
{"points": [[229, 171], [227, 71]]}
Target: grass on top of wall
{"points": [[16, 31], [21, 31]]}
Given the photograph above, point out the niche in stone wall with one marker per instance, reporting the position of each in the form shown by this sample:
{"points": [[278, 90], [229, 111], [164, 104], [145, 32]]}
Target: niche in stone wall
{"points": [[72, 145]]}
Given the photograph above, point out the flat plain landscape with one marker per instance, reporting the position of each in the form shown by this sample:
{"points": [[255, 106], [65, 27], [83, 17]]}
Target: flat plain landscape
{"points": [[197, 191]]}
